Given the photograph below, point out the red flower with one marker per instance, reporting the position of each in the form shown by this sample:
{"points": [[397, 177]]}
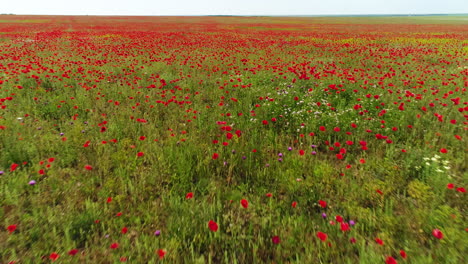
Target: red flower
{"points": [[109, 199], [73, 252], [294, 204], [215, 156], [403, 254], [213, 226], [244, 203], [140, 154], [142, 138], [379, 241], [13, 167], [322, 204], [437, 233], [124, 230], [339, 219], [301, 152], [51, 159], [88, 167], [461, 190], [11, 228], [322, 236], [189, 195], [269, 195], [276, 240], [114, 246], [442, 150], [161, 253], [344, 227], [54, 256], [450, 186], [391, 260]]}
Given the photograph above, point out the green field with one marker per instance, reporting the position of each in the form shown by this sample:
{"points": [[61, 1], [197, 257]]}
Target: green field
{"points": [[233, 139]]}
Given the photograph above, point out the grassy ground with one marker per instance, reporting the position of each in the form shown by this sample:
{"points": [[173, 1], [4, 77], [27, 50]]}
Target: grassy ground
{"points": [[232, 140]]}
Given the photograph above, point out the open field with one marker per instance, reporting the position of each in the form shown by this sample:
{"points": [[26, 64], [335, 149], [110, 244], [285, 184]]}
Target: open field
{"points": [[233, 139]]}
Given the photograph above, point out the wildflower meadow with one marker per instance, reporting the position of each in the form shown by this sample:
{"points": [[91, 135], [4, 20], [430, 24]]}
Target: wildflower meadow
{"points": [[233, 139]]}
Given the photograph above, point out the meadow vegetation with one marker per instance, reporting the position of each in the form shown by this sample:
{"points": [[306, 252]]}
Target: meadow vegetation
{"points": [[233, 140]]}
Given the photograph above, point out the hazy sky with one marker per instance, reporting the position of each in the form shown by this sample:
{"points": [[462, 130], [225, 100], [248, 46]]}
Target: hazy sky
{"points": [[231, 7]]}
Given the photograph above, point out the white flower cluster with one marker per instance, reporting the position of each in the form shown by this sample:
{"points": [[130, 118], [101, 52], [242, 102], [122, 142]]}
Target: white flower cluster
{"points": [[435, 162]]}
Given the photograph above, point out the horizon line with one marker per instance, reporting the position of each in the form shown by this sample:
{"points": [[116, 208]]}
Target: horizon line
{"points": [[251, 15]]}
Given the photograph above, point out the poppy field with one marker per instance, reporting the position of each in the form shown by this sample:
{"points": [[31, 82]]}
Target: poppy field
{"points": [[233, 139]]}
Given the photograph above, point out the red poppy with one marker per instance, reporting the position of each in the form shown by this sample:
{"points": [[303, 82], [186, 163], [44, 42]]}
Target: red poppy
{"points": [[322, 236], [114, 246], [244, 203], [215, 156], [301, 152], [276, 240], [13, 167], [391, 260], [124, 230], [322, 203], [88, 167], [161, 253], [73, 252], [11, 228], [403, 254], [379, 241], [461, 190], [339, 219], [213, 226], [344, 227], [437, 234], [450, 186], [54, 256], [269, 195], [294, 204], [443, 150], [140, 154], [189, 195]]}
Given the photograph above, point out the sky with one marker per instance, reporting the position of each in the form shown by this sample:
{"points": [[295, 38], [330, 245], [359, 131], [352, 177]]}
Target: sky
{"points": [[231, 7]]}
